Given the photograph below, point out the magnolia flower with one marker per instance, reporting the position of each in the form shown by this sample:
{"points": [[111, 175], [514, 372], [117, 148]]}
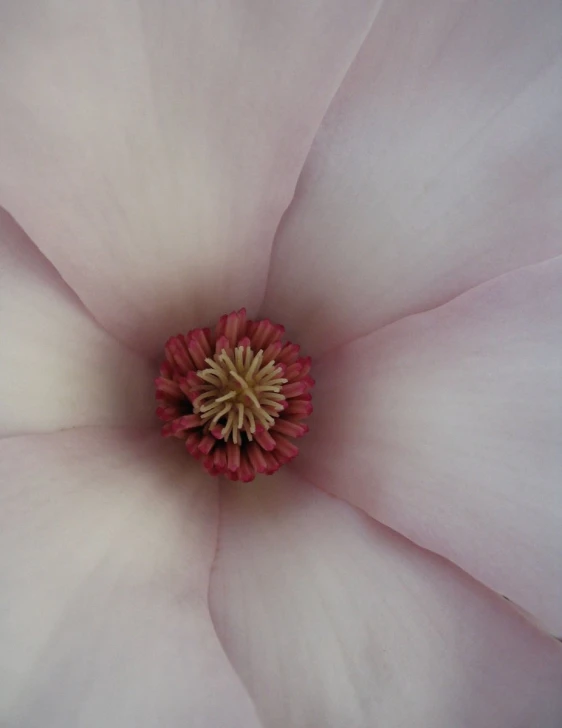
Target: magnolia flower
{"points": [[383, 180]]}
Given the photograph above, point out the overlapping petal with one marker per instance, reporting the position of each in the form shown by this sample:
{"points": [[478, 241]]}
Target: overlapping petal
{"points": [[447, 426], [58, 368], [106, 542], [437, 167], [332, 620], [149, 149]]}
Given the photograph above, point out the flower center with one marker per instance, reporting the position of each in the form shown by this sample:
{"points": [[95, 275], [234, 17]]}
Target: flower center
{"points": [[238, 396], [240, 389]]}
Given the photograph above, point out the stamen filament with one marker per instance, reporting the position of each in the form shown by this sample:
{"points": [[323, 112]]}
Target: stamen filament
{"points": [[230, 395], [254, 365], [241, 381]]}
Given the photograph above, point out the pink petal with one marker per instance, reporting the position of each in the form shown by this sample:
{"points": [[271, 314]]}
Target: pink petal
{"points": [[58, 368], [437, 168], [447, 426], [332, 620], [106, 542], [151, 148]]}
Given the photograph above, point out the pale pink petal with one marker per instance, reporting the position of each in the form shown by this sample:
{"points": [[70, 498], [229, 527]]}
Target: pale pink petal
{"points": [[438, 167], [106, 542], [447, 426], [332, 620], [58, 368], [150, 148]]}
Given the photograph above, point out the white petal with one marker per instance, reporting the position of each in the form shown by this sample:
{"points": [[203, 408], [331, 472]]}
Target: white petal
{"points": [[438, 167], [447, 426], [58, 368], [106, 542], [333, 620], [150, 148]]}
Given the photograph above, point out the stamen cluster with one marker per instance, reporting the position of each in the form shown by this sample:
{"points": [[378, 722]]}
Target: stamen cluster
{"points": [[237, 395]]}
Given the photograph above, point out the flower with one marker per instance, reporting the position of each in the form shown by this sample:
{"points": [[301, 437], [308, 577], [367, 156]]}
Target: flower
{"points": [[381, 179]]}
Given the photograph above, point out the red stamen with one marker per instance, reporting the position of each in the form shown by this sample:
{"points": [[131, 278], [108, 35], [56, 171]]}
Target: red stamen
{"points": [[196, 351], [292, 429], [295, 389], [285, 447], [223, 344], [232, 456], [256, 457], [265, 440], [299, 407], [207, 444]]}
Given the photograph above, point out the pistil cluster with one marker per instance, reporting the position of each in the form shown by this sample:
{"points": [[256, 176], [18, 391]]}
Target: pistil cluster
{"points": [[237, 395]]}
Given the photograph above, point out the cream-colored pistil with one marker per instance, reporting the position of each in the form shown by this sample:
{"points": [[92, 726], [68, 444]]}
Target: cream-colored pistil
{"points": [[242, 391]]}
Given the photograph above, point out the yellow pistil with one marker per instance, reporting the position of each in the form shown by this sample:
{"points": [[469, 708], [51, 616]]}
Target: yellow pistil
{"points": [[239, 393]]}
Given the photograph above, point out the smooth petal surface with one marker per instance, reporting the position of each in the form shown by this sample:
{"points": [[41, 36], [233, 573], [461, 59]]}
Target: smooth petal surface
{"points": [[333, 620], [58, 368], [438, 167], [150, 148], [106, 541], [447, 426]]}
